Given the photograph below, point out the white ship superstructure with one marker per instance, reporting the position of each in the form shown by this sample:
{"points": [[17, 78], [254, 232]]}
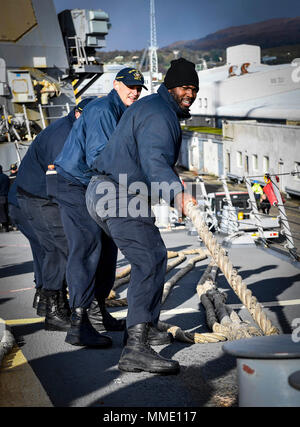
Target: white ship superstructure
{"points": [[246, 88]]}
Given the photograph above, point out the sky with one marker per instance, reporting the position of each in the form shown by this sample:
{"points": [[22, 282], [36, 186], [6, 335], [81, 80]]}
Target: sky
{"points": [[178, 20]]}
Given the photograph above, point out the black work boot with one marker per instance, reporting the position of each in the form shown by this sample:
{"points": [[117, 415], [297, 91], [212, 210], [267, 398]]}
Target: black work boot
{"points": [[42, 303], [56, 319], [41, 300], [155, 337], [138, 356], [102, 320], [36, 297], [83, 334], [63, 302]]}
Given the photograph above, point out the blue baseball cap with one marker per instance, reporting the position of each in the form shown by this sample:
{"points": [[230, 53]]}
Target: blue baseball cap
{"points": [[130, 77]]}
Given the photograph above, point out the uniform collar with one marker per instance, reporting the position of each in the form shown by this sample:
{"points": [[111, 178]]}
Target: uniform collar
{"points": [[165, 94], [71, 115], [117, 100]]}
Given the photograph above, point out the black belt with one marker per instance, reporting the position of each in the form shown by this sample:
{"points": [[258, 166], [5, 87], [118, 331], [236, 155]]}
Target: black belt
{"points": [[23, 192]]}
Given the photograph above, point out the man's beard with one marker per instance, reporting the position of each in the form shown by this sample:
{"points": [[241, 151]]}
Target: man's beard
{"points": [[178, 100]]}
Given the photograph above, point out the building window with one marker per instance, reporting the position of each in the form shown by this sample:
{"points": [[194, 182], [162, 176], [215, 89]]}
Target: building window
{"points": [[239, 159], [246, 164], [297, 169], [200, 102], [266, 164], [255, 162], [228, 166], [205, 102]]}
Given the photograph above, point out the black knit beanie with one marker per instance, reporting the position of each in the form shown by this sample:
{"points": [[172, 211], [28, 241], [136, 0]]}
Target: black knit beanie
{"points": [[181, 73]]}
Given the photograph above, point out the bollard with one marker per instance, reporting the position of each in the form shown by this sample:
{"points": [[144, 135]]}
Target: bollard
{"points": [[294, 380], [264, 365]]}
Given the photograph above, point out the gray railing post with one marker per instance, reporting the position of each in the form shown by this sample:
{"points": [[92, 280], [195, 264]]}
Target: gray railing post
{"points": [[232, 216], [27, 121], [284, 220], [42, 116]]}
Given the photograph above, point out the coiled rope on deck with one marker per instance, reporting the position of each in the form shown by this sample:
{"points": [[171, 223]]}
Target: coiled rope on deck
{"points": [[123, 277], [176, 331], [220, 318]]}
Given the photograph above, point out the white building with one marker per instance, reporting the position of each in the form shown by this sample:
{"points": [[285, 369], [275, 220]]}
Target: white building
{"points": [[246, 147], [202, 153], [253, 149]]}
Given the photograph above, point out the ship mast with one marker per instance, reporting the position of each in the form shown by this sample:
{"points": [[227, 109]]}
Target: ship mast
{"points": [[153, 62]]}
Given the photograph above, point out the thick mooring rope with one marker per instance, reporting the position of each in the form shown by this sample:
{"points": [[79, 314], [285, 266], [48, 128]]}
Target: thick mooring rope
{"points": [[124, 276], [174, 279], [233, 278], [220, 318], [176, 331]]}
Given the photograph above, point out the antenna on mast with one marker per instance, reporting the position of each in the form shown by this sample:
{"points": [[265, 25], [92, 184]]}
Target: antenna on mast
{"points": [[153, 62], [153, 41]]}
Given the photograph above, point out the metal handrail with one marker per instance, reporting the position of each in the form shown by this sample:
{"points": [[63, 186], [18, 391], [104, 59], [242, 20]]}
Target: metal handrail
{"points": [[43, 117]]}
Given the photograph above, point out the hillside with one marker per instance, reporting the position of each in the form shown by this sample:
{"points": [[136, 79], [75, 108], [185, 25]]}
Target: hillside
{"points": [[266, 34], [278, 38]]}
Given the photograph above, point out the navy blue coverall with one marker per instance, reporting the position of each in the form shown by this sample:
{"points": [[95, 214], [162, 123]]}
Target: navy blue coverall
{"points": [[142, 152], [4, 187], [21, 222], [42, 211], [90, 270]]}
